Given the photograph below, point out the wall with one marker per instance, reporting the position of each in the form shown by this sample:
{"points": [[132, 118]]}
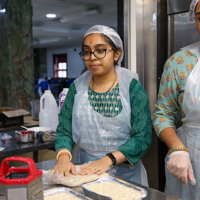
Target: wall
{"points": [[143, 59], [40, 62], [4, 52], [75, 64], [16, 71]]}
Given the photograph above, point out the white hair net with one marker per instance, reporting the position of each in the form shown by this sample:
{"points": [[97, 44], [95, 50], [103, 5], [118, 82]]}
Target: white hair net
{"points": [[110, 33], [191, 13]]}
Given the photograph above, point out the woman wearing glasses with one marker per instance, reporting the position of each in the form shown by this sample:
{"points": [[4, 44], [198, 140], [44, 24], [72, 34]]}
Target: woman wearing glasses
{"points": [[106, 114]]}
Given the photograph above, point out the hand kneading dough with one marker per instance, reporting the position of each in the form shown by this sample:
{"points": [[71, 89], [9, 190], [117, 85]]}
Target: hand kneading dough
{"points": [[73, 180]]}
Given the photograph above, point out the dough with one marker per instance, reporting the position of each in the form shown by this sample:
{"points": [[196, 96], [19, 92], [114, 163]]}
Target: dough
{"points": [[73, 180], [114, 190], [61, 196]]}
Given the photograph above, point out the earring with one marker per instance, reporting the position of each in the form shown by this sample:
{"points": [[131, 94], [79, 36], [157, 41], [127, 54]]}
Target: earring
{"points": [[115, 62]]}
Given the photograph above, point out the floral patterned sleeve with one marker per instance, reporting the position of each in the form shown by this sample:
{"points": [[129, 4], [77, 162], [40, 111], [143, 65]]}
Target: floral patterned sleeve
{"points": [[170, 97]]}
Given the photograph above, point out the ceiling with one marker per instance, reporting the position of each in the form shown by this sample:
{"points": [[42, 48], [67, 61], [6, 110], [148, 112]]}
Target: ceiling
{"points": [[74, 17]]}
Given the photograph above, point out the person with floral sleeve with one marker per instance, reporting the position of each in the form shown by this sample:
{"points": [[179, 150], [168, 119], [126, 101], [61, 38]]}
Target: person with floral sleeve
{"points": [[179, 95]]}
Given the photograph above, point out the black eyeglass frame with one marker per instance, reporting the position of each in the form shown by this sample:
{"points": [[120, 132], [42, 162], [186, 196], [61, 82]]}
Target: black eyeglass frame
{"points": [[93, 52]]}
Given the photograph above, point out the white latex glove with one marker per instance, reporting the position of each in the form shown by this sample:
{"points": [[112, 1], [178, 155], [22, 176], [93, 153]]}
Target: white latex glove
{"points": [[179, 165]]}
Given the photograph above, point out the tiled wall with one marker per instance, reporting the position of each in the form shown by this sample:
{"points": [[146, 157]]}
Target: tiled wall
{"points": [[16, 55]]}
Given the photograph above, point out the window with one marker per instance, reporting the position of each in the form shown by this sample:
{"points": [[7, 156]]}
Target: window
{"points": [[62, 70], [60, 65]]}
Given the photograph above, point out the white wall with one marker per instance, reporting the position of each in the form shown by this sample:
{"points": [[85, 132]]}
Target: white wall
{"points": [[75, 64]]}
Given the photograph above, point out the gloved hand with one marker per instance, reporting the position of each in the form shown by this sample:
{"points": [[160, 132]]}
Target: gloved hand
{"points": [[179, 165]]}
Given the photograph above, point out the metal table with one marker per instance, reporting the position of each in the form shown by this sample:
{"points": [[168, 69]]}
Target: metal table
{"points": [[152, 193], [12, 147]]}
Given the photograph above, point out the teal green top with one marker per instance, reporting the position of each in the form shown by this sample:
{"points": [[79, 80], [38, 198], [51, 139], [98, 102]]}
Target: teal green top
{"points": [[170, 98], [141, 134]]}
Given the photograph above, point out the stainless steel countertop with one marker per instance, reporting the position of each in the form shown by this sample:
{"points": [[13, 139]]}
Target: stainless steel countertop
{"points": [[152, 193]]}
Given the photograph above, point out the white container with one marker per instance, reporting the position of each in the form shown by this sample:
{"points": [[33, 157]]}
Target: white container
{"points": [[62, 97], [48, 115]]}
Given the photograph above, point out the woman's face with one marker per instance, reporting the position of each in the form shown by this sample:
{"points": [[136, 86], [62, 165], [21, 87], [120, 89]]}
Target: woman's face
{"points": [[95, 42], [197, 16]]}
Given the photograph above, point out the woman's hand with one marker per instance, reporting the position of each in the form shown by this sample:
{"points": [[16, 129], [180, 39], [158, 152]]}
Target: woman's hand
{"points": [[96, 167], [64, 167], [179, 165]]}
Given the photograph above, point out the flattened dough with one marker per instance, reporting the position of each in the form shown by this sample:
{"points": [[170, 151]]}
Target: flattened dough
{"points": [[73, 180]]}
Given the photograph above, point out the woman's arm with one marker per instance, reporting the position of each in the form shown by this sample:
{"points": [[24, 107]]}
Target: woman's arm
{"points": [[64, 138], [170, 97], [141, 135], [167, 108], [102, 165], [173, 81], [64, 142], [170, 138]]}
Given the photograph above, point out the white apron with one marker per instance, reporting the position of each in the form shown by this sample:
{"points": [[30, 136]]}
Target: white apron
{"points": [[96, 135], [189, 133]]}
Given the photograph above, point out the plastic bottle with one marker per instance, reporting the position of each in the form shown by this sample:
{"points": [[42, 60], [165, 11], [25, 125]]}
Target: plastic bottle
{"points": [[62, 97], [48, 115]]}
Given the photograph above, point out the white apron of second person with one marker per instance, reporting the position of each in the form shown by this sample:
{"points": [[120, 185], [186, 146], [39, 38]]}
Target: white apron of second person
{"points": [[189, 133], [96, 135]]}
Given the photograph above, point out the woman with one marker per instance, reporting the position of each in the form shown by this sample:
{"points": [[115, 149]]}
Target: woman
{"points": [[179, 93], [106, 113]]}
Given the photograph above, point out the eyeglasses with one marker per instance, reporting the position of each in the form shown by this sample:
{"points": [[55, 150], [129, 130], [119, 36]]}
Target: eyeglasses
{"points": [[98, 53]]}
